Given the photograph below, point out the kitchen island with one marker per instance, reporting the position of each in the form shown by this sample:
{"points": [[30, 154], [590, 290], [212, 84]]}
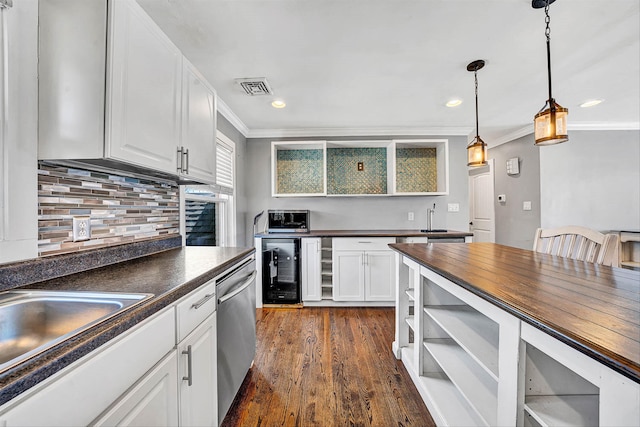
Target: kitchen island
{"points": [[495, 335], [153, 329]]}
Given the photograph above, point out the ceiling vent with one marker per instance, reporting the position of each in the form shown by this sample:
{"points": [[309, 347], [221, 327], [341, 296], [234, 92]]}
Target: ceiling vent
{"points": [[255, 86]]}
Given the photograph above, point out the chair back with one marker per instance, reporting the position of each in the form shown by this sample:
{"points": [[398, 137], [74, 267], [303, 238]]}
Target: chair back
{"points": [[578, 243]]}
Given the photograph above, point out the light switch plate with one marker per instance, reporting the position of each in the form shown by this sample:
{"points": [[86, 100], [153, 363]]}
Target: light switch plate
{"points": [[81, 228], [526, 206]]}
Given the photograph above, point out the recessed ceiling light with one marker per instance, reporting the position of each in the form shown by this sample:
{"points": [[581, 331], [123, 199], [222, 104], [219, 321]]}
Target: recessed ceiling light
{"points": [[453, 103], [278, 103], [591, 103]]}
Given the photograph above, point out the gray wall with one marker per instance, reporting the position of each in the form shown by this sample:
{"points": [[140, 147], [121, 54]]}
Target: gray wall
{"points": [[592, 180], [515, 226], [374, 212], [242, 239]]}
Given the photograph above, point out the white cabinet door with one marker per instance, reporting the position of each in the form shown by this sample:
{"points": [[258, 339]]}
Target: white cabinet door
{"points": [[198, 126], [18, 131], [197, 374], [144, 90], [379, 275], [348, 276], [311, 269], [153, 401]]}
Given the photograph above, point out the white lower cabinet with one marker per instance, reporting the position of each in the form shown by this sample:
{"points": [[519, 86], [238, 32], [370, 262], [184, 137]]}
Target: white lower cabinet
{"points": [[363, 269], [151, 402], [86, 389], [198, 376], [311, 269]]}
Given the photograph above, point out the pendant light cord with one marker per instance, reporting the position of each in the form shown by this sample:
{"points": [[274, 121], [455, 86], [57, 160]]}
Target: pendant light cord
{"points": [[475, 73], [547, 33]]}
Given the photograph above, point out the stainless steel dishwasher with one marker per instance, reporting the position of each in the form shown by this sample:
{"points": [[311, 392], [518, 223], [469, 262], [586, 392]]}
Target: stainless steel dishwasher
{"points": [[236, 292]]}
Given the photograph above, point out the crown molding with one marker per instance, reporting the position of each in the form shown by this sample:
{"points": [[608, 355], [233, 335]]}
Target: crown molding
{"points": [[604, 126], [346, 132], [511, 136], [228, 114]]}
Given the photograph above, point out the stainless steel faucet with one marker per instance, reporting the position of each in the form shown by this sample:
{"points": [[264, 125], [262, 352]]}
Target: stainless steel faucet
{"points": [[430, 213]]}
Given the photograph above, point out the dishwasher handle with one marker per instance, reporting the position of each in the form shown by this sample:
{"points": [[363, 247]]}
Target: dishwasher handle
{"points": [[241, 288]]}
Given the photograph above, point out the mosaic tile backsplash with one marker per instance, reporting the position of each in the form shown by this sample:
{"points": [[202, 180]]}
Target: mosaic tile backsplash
{"points": [[122, 209], [300, 171], [344, 176], [416, 170]]}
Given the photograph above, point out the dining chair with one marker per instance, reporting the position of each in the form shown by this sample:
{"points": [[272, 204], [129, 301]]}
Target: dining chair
{"points": [[580, 243]]}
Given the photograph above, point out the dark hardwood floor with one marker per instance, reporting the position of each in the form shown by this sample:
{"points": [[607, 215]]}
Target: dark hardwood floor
{"points": [[327, 367]]}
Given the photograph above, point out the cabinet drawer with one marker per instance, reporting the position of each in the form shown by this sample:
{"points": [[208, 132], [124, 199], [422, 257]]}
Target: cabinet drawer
{"points": [[362, 243], [194, 308]]}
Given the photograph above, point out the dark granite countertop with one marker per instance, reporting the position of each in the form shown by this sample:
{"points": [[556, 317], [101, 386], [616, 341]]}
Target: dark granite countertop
{"points": [[370, 233], [168, 275]]}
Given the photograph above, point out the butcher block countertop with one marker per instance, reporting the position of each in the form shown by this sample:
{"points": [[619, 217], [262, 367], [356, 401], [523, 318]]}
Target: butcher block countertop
{"points": [[592, 308]]}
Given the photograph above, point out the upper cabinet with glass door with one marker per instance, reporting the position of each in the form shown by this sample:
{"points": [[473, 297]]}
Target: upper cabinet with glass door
{"points": [[360, 168]]}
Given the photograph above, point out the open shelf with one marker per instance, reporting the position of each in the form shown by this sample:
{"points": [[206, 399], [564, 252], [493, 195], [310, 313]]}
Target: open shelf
{"points": [[445, 399], [568, 410], [474, 383], [411, 294], [474, 332], [410, 321]]}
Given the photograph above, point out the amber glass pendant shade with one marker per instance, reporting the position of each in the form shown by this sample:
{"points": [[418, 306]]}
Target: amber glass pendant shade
{"points": [[550, 125], [477, 153]]}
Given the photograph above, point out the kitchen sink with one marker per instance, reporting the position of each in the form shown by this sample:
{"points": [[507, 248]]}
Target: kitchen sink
{"points": [[32, 321]]}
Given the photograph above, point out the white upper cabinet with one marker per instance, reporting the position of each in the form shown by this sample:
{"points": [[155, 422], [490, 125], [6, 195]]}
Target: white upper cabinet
{"points": [[144, 80], [18, 131], [198, 147], [116, 92]]}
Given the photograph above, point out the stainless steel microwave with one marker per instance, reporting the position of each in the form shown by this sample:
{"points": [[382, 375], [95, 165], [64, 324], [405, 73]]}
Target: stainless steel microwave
{"points": [[288, 221]]}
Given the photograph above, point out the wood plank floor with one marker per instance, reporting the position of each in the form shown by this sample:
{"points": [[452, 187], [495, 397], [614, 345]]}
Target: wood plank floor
{"points": [[327, 367]]}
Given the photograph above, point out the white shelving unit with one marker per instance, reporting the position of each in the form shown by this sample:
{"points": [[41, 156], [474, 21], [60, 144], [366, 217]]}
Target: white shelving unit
{"points": [[467, 362], [474, 364], [327, 268]]}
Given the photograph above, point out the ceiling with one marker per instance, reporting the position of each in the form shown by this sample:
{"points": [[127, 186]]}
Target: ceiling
{"points": [[387, 67]]}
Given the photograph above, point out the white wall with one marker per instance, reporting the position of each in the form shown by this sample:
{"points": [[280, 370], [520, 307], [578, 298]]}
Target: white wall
{"points": [[592, 180], [367, 213]]}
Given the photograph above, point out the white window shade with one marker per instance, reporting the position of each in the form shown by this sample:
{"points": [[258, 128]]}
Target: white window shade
{"points": [[224, 167]]}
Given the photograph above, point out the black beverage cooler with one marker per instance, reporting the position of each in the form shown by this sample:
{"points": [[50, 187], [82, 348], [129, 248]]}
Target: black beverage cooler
{"points": [[280, 271]]}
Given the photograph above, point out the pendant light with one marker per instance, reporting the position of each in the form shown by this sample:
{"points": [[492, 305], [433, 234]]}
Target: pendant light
{"points": [[477, 149], [550, 124]]}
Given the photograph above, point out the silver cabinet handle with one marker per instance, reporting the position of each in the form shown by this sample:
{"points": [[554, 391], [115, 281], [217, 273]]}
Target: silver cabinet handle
{"points": [[203, 301], [185, 166], [242, 287], [189, 376], [179, 159]]}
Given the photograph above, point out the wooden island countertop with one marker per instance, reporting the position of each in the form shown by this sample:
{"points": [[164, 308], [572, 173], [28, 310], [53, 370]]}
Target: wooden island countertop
{"points": [[592, 308]]}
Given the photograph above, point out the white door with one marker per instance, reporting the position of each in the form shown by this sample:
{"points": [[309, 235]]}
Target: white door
{"points": [[199, 125], [481, 209], [311, 269], [379, 275], [144, 91], [198, 378], [348, 275], [152, 402]]}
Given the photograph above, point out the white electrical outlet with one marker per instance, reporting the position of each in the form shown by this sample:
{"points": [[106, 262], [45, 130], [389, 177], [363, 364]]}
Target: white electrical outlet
{"points": [[453, 207], [526, 206], [410, 217], [81, 228]]}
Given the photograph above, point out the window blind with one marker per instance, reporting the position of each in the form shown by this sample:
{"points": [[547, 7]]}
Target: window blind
{"points": [[224, 167]]}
